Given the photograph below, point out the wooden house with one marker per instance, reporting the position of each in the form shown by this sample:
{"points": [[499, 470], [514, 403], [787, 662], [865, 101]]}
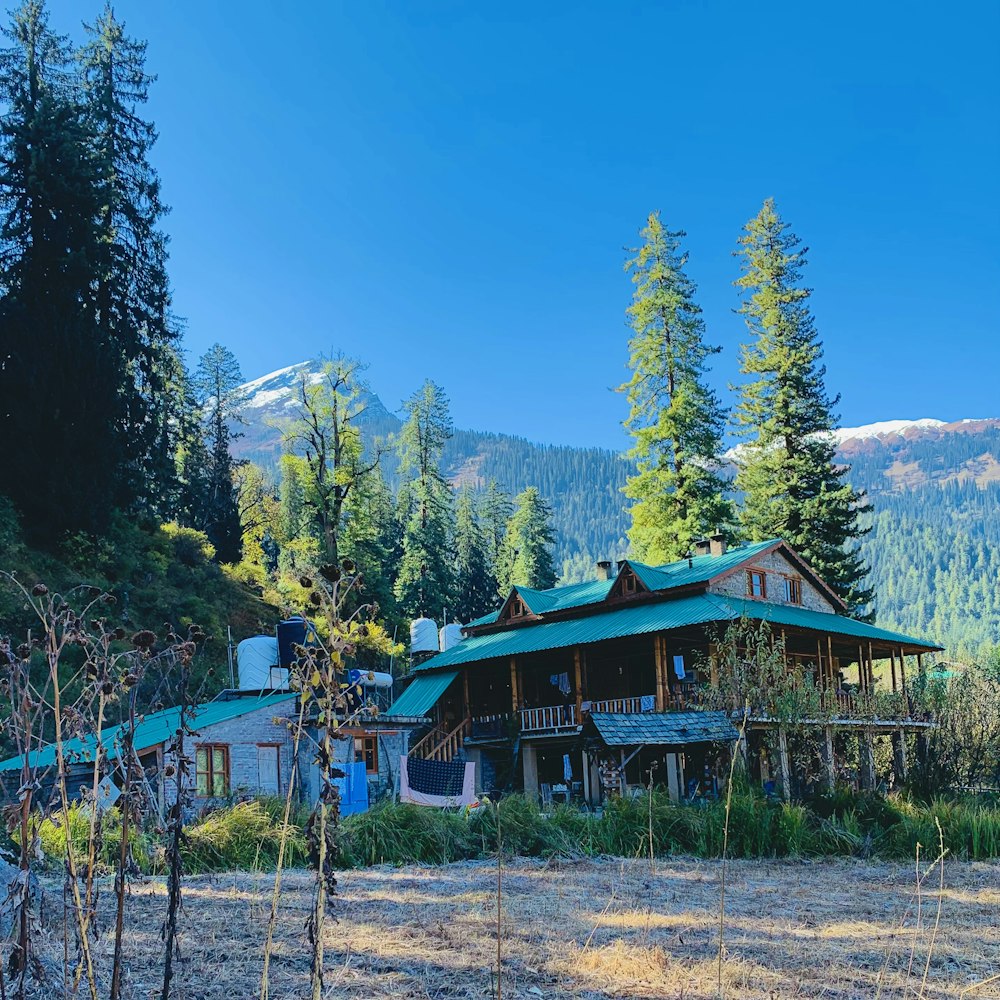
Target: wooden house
{"points": [[589, 688]]}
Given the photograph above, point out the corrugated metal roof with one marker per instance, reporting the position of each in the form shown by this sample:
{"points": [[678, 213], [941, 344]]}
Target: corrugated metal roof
{"points": [[154, 729], [422, 694], [642, 619], [664, 728], [484, 620], [702, 568], [797, 617], [576, 595], [622, 622]]}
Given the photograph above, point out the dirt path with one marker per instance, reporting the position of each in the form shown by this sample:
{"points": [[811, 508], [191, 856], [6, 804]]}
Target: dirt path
{"points": [[584, 929]]}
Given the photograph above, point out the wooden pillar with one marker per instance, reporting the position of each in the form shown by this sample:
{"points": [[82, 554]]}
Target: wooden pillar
{"points": [[892, 668], [861, 669], [819, 663], [513, 684], [660, 665], [866, 762], [871, 668], [899, 756], [465, 694], [586, 777], [902, 670], [578, 678], [829, 657], [829, 761], [784, 764]]}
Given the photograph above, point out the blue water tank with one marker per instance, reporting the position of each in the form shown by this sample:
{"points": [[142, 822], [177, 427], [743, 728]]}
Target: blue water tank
{"points": [[291, 633]]}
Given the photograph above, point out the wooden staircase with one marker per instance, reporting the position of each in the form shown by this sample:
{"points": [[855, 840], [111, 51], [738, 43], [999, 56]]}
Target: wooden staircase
{"points": [[434, 746]]}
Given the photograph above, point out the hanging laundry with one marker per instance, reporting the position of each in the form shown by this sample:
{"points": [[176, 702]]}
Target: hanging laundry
{"points": [[647, 703], [561, 681], [567, 768]]}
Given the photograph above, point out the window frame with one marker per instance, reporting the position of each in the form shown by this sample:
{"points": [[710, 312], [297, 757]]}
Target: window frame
{"points": [[762, 575], [210, 749], [368, 744], [791, 589]]}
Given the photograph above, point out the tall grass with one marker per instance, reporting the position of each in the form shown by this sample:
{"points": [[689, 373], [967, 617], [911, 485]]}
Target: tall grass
{"points": [[247, 836]]}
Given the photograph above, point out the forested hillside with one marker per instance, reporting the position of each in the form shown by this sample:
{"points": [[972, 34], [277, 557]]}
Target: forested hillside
{"points": [[934, 547]]}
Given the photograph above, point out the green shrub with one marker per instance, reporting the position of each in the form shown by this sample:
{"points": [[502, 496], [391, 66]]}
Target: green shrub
{"points": [[244, 837]]}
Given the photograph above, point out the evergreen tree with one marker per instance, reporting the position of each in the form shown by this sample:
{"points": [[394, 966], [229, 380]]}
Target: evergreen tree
{"points": [[791, 484], [676, 420], [60, 413], [217, 384], [426, 584], [475, 587], [132, 291], [526, 556], [496, 509]]}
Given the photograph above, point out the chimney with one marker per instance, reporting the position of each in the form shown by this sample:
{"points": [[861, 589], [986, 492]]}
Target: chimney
{"points": [[603, 570], [718, 545], [702, 547]]}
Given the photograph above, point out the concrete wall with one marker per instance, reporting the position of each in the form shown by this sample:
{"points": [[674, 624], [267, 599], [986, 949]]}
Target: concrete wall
{"points": [[775, 566]]}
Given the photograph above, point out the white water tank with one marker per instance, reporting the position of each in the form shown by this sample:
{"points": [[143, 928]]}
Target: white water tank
{"points": [[424, 636], [257, 664], [450, 635]]}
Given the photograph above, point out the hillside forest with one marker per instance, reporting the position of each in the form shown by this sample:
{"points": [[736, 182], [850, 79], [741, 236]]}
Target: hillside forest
{"points": [[158, 478]]}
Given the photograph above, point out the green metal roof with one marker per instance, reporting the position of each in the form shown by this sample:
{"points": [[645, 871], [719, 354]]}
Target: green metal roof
{"points": [[640, 619], [422, 694], [575, 595], [153, 730], [701, 569]]}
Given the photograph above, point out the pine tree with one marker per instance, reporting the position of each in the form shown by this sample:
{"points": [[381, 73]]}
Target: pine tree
{"points": [[132, 289], [60, 413], [426, 584], [676, 420], [217, 382], [496, 509], [526, 556], [791, 484], [475, 587]]}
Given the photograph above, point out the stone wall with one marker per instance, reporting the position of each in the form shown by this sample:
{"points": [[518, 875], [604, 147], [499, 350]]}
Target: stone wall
{"points": [[775, 566]]}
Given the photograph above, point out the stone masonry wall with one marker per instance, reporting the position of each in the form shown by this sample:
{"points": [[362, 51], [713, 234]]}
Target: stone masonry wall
{"points": [[774, 565]]}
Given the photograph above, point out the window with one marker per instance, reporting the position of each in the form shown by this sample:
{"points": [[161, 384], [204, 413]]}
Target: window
{"points": [[516, 608], [366, 749], [629, 583], [212, 770], [756, 583], [792, 589]]}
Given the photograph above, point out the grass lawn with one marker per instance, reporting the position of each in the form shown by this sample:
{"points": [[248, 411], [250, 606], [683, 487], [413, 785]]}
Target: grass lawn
{"points": [[584, 929]]}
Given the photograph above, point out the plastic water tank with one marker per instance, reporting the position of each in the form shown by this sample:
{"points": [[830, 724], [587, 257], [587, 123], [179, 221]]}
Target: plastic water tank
{"points": [[255, 659], [424, 636], [291, 633], [450, 635]]}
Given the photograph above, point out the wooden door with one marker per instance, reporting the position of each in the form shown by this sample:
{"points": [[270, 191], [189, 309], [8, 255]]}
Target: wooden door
{"points": [[268, 779]]}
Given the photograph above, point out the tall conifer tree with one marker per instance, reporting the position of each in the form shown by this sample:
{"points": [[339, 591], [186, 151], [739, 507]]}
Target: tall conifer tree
{"points": [[60, 413], [426, 581], [791, 484], [526, 555], [475, 591], [676, 420], [132, 289]]}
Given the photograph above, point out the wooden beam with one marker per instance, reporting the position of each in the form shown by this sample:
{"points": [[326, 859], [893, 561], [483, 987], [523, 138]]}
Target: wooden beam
{"points": [[465, 693], [861, 668], [829, 656], [513, 683], [660, 664], [871, 667], [578, 674], [902, 669], [892, 667]]}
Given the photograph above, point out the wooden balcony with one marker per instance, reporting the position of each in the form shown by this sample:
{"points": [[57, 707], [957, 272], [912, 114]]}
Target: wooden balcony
{"points": [[625, 706], [551, 718]]}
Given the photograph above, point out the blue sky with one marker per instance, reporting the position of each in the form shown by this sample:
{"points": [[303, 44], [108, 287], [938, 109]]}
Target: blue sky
{"points": [[446, 189]]}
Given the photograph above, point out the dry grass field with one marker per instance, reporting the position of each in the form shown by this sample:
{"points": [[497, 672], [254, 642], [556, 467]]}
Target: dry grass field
{"points": [[587, 929]]}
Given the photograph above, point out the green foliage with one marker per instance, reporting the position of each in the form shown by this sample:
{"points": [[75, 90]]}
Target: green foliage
{"points": [[244, 837], [526, 554], [792, 487], [425, 582], [475, 583], [675, 418], [144, 847], [390, 834]]}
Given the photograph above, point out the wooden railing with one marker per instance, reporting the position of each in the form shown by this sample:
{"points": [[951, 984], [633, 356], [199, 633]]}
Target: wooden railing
{"points": [[624, 706], [447, 748], [549, 717]]}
